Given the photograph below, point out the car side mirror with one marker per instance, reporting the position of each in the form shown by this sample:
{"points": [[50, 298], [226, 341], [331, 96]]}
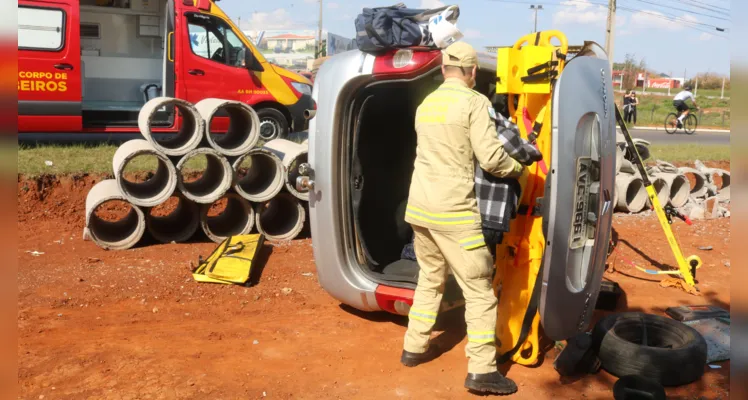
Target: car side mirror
{"points": [[251, 62]]}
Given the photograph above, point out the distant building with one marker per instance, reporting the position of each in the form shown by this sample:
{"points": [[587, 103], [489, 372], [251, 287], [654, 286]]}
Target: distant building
{"points": [[653, 80], [290, 42]]}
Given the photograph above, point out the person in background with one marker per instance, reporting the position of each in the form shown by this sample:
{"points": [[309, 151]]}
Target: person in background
{"points": [[630, 114], [679, 102], [626, 101]]}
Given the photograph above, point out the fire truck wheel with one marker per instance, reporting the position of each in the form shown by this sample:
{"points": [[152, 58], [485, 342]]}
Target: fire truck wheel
{"points": [[273, 124]]}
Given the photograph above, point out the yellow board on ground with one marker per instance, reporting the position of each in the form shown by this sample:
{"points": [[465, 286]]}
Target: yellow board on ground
{"points": [[231, 262], [526, 70]]}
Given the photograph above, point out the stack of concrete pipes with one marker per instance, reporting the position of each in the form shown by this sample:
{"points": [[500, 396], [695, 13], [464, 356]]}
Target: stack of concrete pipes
{"points": [[707, 199], [671, 183], [631, 194], [255, 186]]}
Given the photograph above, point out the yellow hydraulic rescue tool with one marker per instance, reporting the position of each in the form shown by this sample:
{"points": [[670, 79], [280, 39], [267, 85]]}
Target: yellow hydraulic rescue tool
{"points": [[526, 72], [686, 266]]}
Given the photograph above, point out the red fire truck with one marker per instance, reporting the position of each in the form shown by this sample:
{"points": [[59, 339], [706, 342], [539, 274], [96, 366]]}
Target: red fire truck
{"points": [[88, 66]]}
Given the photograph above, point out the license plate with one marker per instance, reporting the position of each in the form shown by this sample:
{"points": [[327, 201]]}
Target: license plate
{"points": [[578, 235]]}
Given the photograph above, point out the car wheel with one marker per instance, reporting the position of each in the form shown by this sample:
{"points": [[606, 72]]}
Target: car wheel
{"points": [[655, 347], [273, 124]]}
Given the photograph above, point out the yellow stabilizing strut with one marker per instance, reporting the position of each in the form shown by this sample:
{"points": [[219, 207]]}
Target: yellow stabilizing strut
{"points": [[686, 266], [528, 70]]}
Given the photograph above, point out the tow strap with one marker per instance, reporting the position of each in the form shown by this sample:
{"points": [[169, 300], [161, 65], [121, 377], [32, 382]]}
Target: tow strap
{"points": [[533, 131]]}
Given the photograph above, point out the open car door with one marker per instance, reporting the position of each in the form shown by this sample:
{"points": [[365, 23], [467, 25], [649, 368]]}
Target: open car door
{"points": [[578, 204]]}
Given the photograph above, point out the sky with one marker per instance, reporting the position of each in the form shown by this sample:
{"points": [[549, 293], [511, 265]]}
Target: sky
{"points": [[666, 46]]}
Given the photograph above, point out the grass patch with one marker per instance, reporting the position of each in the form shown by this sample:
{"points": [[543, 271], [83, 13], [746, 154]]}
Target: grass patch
{"points": [[66, 159], [689, 152], [79, 158], [701, 92], [90, 158], [652, 110]]}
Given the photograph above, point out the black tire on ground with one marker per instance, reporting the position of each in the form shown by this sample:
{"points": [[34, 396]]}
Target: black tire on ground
{"points": [[690, 123], [675, 353], [668, 120], [638, 387], [273, 124]]}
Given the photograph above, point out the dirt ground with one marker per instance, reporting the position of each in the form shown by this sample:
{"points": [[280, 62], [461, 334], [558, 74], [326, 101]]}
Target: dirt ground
{"points": [[96, 324]]}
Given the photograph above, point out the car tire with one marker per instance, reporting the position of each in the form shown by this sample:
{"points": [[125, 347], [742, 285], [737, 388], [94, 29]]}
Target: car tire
{"points": [[675, 353], [273, 124], [638, 387]]}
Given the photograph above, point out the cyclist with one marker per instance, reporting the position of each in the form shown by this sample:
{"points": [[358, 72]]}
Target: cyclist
{"points": [[679, 102]]}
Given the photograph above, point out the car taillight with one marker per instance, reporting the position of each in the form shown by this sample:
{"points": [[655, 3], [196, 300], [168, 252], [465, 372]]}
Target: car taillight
{"points": [[394, 300], [405, 62]]}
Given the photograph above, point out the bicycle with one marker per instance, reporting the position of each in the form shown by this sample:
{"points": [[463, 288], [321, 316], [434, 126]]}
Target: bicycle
{"points": [[689, 123]]}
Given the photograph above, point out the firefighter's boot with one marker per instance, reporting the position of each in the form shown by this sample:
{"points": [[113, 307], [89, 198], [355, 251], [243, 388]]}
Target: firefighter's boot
{"points": [[493, 383]]}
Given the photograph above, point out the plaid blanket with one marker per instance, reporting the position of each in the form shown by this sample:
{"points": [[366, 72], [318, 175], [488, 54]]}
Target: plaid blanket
{"points": [[498, 197]]}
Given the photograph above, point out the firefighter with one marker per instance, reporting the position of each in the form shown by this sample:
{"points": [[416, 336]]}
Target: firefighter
{"points": [[455, 127]]}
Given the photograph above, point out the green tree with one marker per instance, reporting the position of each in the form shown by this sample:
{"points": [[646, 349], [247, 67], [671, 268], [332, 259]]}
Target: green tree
{"points": [[709, 81], [631, 68]]}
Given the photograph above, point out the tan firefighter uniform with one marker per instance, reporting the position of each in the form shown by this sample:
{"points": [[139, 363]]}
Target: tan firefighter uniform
{"points": [[455, 129]]}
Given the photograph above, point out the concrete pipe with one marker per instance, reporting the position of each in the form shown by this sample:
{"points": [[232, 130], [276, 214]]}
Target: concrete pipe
{"points": [[632, 196], [293, 155], [662, 188], [642, 147], [156, 189], [643, 151], [259, 175], [619, 159], [723, 191], [176, 220], [697, 181], [628, 168], [216, 179], [231, 215], [111, 222], [615, 197], [281, 218], [190, 133], [664, 166], [244, 126], [679, 188]]}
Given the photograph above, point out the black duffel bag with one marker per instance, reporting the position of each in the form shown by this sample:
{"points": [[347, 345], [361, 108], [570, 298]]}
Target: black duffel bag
{"points": [[384, 28]]}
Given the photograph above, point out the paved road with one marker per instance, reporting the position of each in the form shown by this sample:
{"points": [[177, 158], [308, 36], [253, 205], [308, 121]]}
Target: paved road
{"points": [[662, 137]]}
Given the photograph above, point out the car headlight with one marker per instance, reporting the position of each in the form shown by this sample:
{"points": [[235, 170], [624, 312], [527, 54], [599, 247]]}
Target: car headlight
{"points": [[302, 88]]}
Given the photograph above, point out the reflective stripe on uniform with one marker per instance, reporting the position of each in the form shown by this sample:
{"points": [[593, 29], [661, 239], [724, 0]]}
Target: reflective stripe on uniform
{"points": [[473, 242], [453, 218], [435, 107], [426, 316], [434, 112], [481, 336]]}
